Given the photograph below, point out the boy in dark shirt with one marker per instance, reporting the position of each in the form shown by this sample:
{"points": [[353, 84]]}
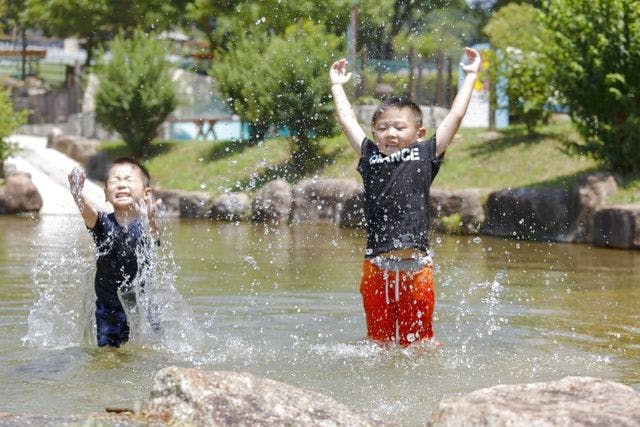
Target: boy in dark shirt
{"points": [[119, 237], [397, 169]]}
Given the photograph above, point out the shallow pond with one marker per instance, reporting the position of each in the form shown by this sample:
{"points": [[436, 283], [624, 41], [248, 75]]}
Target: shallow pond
{"points": [[283, 303]]}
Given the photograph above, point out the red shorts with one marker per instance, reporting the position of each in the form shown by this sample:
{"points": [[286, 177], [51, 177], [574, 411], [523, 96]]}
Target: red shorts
{"points": [[398, 304]]}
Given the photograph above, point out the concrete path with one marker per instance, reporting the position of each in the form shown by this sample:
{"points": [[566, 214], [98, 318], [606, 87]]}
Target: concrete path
{"points": [[49, 170]]}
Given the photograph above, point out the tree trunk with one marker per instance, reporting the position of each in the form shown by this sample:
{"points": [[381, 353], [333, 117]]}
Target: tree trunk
{"points": [[440, 101], [413, 76], [23, 36]]}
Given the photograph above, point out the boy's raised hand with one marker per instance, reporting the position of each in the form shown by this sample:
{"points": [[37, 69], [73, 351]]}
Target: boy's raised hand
{"points": [[76, 181], [338, 72], [473, 61]]}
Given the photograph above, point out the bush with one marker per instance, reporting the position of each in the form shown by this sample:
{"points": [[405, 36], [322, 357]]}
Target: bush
{"points": [[284, 82], [136, 92], [515, 31], [594, 46], [9, 121]]}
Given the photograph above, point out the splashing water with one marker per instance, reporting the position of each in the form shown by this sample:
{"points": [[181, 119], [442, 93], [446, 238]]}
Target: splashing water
{"points": [[157, 314], [63, 312]]}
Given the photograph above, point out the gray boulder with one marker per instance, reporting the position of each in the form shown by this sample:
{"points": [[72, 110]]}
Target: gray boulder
{"points": [[186, 396], [272, 202], [464, 205], [572, 401], [19, 194], [231, 207], [170, 200], [350, 212], [195, 204], [320, 200], [528, 213], [617, 226], [590, 194], [78, 148]]}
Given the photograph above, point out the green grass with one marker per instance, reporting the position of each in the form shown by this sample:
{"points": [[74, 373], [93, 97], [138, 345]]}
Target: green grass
{"points": [[476, 159]]}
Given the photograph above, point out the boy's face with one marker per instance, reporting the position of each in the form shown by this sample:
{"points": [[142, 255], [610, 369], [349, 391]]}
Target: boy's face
{"points": [[125, 186], [395, 129]]}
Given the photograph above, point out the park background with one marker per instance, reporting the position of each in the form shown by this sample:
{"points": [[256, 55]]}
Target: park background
{"points": [[560, 97]]}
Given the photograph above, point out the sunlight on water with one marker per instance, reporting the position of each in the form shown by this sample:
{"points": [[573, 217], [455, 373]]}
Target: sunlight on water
{"points": [[283, 303]]}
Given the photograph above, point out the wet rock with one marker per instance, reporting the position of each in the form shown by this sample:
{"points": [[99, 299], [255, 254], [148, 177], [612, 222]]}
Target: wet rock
{"points": [[231, 207], [617, 226], [320, 200], [78, 148], [272, 202], [572, 401], [207, 398], [350, 213], [195, 204], [19, 194], [170, 201], [96, 166], [590, 194], [464, 204], [528, 213]]}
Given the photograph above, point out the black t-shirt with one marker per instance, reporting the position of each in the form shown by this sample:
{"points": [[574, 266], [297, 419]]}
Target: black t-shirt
{"points": [[396, 195], [117, 262]]}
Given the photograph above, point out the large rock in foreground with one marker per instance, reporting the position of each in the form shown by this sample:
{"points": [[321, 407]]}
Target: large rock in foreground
{"points": [[572, 401], [207, 398]]}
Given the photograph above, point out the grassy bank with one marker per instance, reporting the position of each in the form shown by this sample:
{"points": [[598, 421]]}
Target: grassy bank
{"points": [[476, 159]]}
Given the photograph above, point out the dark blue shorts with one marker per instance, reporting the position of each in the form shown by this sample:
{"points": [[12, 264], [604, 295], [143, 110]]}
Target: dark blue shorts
{"points": [[112, 326]]}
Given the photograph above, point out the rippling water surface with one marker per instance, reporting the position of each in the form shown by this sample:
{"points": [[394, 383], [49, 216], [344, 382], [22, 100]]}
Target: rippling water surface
{"points": [[283, 303]]}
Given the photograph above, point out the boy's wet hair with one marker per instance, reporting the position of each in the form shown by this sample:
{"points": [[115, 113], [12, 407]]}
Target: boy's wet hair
{"points": [[130, 161], [399, 103]]}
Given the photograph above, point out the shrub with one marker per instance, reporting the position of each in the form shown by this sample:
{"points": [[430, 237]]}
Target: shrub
{"points": [[284, 81], [136, 93], [594, 46], [9, 121]]}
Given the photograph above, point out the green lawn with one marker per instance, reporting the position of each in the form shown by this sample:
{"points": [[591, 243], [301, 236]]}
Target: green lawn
{"points": [[476, 159]]}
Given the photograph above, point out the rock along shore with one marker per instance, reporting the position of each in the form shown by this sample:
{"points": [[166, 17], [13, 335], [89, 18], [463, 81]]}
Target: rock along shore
{"points": [[197, 397]]}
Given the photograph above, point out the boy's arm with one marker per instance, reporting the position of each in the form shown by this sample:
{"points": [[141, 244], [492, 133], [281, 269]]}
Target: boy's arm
{"points": [[87, 210], [346, 116], [449, 126]]}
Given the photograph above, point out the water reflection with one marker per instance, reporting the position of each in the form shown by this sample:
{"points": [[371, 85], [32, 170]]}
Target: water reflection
{"points": [[283, 303]]}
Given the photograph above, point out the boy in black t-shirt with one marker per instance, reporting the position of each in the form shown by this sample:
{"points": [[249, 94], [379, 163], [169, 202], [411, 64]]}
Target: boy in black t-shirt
{"points": [[119, 238], [397, 169]]}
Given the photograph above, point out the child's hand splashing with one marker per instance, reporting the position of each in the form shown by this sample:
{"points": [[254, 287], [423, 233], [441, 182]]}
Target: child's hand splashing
{"points": [[76, 182], [147, 209]]}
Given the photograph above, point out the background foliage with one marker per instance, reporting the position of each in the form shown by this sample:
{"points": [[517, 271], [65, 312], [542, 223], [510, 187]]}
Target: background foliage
{"points": [[9, 121], [136, 93], [594, 48]]}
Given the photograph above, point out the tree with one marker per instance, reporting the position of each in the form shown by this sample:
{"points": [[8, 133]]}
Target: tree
{"points": [[286, 87], [223, 22], [515, 31], [594, 46], [136, 92], [383, 20], [9, 121], [442, 34], [96, 21]]}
